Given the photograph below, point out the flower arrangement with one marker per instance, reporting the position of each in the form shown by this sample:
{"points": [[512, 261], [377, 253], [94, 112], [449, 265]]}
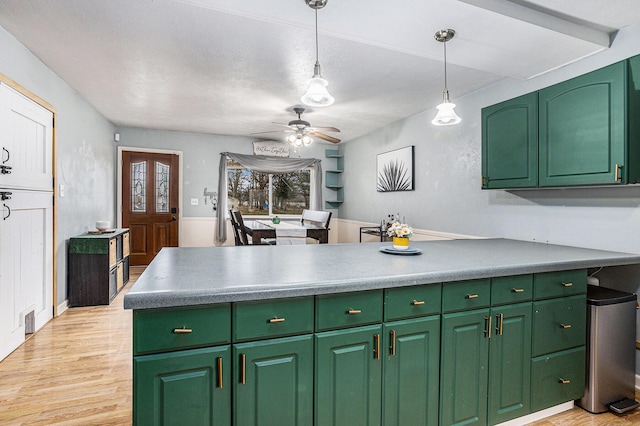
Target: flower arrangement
{"points": [[399, 230]]}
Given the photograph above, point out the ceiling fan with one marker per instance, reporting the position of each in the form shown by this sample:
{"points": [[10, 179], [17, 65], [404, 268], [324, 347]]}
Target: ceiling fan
{"points": [[300, 131]]}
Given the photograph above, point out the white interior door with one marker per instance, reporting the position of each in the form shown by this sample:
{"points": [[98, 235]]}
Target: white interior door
{"points": [[25, 265], [27, 142]]}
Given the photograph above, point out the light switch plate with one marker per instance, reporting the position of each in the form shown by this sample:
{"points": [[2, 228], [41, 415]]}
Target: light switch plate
{"points": [[194, 201]]}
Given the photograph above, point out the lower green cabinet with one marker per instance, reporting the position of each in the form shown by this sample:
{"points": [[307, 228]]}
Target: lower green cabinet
{"points": [[464, 368], [509, 361], [189, 387], [558, 377], [485, 374], [348, 377], [273, 382], [411, 371]]}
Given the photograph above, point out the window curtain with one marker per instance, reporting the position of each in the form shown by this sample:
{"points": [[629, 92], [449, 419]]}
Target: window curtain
{"points": [[265, 164]]}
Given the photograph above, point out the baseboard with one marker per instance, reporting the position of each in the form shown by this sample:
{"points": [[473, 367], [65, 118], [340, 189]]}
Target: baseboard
{"points": [[539, 415], [63, 307]]}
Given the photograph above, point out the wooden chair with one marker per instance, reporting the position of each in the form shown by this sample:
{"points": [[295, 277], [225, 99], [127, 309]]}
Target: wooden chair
{"points": [[236, 228], [318, 217], [244, 232]]}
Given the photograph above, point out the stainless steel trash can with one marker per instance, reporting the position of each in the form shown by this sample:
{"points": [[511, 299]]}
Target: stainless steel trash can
{"points": [[611, 335]]}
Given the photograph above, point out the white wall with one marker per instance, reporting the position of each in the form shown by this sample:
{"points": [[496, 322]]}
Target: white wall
{"points": [[85, 150], [448, 197]]}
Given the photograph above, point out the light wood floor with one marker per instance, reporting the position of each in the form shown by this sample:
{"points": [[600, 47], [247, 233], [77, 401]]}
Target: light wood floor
{"points": [[77, 371]]}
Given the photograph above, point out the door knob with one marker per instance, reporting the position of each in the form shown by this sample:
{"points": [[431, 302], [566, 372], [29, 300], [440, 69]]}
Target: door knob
{"points": [[174, 218]]}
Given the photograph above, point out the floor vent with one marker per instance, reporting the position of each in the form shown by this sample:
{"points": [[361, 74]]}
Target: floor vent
{"points": [[30, 323]]}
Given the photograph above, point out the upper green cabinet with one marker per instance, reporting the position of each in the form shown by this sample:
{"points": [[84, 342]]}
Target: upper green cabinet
{"points": [[510, 143], [580, 132]]}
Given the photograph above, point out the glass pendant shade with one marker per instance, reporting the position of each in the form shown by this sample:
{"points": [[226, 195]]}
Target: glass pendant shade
{"points": [[299, 139], [317, 93], [446, 115]]}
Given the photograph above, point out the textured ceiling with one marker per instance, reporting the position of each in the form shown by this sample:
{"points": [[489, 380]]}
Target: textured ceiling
{"points": [[234, 67]]}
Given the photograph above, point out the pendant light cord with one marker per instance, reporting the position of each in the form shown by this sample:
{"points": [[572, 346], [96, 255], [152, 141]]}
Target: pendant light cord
{"points": [[445, 64], [316, 35]]}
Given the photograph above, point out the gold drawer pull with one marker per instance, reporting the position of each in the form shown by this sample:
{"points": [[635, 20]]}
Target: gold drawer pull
{"points": [[618, 172], [354, 311], [392, 348], [487, 331], [500, 327], [567, 284], [563, 381], [376, 346], [243, 369], [472, 296], [565, 326], [518, 290], [219, 365], [276, 319], [182, 330], [417, 302]]}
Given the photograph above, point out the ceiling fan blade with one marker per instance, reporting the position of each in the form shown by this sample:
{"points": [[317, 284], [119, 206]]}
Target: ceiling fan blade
{"points": [[325, 137], [272, 131], [323, 129]]}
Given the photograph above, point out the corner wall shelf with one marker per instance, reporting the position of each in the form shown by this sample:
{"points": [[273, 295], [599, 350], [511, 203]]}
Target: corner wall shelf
{"points": [[332, 179]]}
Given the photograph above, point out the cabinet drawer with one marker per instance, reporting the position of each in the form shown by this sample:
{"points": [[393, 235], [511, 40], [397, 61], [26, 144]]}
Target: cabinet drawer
{"points": [[515, 289], [558, 284], [559, 324], [348, 309], [271, 318], [113, 253], [459, 296], [157, 330], [558, 378], [414, 301]]}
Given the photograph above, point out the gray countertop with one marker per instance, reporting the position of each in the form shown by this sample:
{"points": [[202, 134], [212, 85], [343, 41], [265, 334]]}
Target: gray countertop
{"points": [[197, 276]]}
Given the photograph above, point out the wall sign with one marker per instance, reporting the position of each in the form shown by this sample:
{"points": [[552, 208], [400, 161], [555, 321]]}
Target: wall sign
{"points": [[271, 148], [395, 170]]}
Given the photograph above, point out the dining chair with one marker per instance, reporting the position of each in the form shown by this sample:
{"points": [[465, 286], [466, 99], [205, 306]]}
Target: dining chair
{"points": [[245, 232], [319, 217], [236, 228]]}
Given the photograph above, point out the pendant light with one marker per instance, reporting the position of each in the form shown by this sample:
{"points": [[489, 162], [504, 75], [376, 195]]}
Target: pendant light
{"points": [[317, 93], [446, 115]]}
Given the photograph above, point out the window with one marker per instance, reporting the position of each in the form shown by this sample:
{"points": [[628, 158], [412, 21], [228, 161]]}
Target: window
{"points": [[265, 194]]}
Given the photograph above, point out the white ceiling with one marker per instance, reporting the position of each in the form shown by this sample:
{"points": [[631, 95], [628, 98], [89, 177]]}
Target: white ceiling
{"points": [[232, 67]]}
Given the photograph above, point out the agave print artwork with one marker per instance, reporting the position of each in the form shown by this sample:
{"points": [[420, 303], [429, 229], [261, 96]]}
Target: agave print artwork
{"points": [[395, 170]]}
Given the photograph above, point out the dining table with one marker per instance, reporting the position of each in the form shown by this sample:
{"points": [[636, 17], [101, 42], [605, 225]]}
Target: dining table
{"points": [[290, 229]]}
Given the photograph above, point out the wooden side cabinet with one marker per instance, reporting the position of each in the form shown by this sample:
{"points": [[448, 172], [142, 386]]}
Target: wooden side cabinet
{"points": [[98, 267]]}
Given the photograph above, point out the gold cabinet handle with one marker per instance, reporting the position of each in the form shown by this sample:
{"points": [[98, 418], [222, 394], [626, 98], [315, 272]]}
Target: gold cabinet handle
{"points": [[219, 365], [563, 381], [471, 296], [243, 369], [617, 172], [276, 319], [565, 326], [487, 331], [518, 290], [500, 321], [392, 348], [354, 311], [567, 284], [417, 302], [182, 330], [376, 346]]}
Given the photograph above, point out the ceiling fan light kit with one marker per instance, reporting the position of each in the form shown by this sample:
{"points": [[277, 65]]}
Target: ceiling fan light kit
{"points": [[446, 115], [317, 94]]}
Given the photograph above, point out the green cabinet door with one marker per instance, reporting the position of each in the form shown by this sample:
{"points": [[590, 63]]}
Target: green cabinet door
{"points": [[411, 351], [348, 377], [273, 382], [509, 363], [582, 129], [190, 387], [510, 143], [464, 368]]}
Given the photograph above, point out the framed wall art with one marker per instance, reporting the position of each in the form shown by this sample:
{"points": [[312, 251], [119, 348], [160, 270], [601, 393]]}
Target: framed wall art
{"points": [[395, 170]]}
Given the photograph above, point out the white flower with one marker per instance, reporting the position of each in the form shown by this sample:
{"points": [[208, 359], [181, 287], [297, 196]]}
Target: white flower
{"points": [[401, 230]]}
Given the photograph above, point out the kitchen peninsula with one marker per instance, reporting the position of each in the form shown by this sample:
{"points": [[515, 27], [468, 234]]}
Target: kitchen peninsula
{"points": [[475, 331]]}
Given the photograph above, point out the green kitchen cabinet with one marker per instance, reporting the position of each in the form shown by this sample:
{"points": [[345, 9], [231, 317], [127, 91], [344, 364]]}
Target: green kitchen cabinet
{"points": [[411, 371], [582, 129], [464, 367], [509, 361], [348, 377], [585, 132], [510, 143], [185, 387], [273, 382]]}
